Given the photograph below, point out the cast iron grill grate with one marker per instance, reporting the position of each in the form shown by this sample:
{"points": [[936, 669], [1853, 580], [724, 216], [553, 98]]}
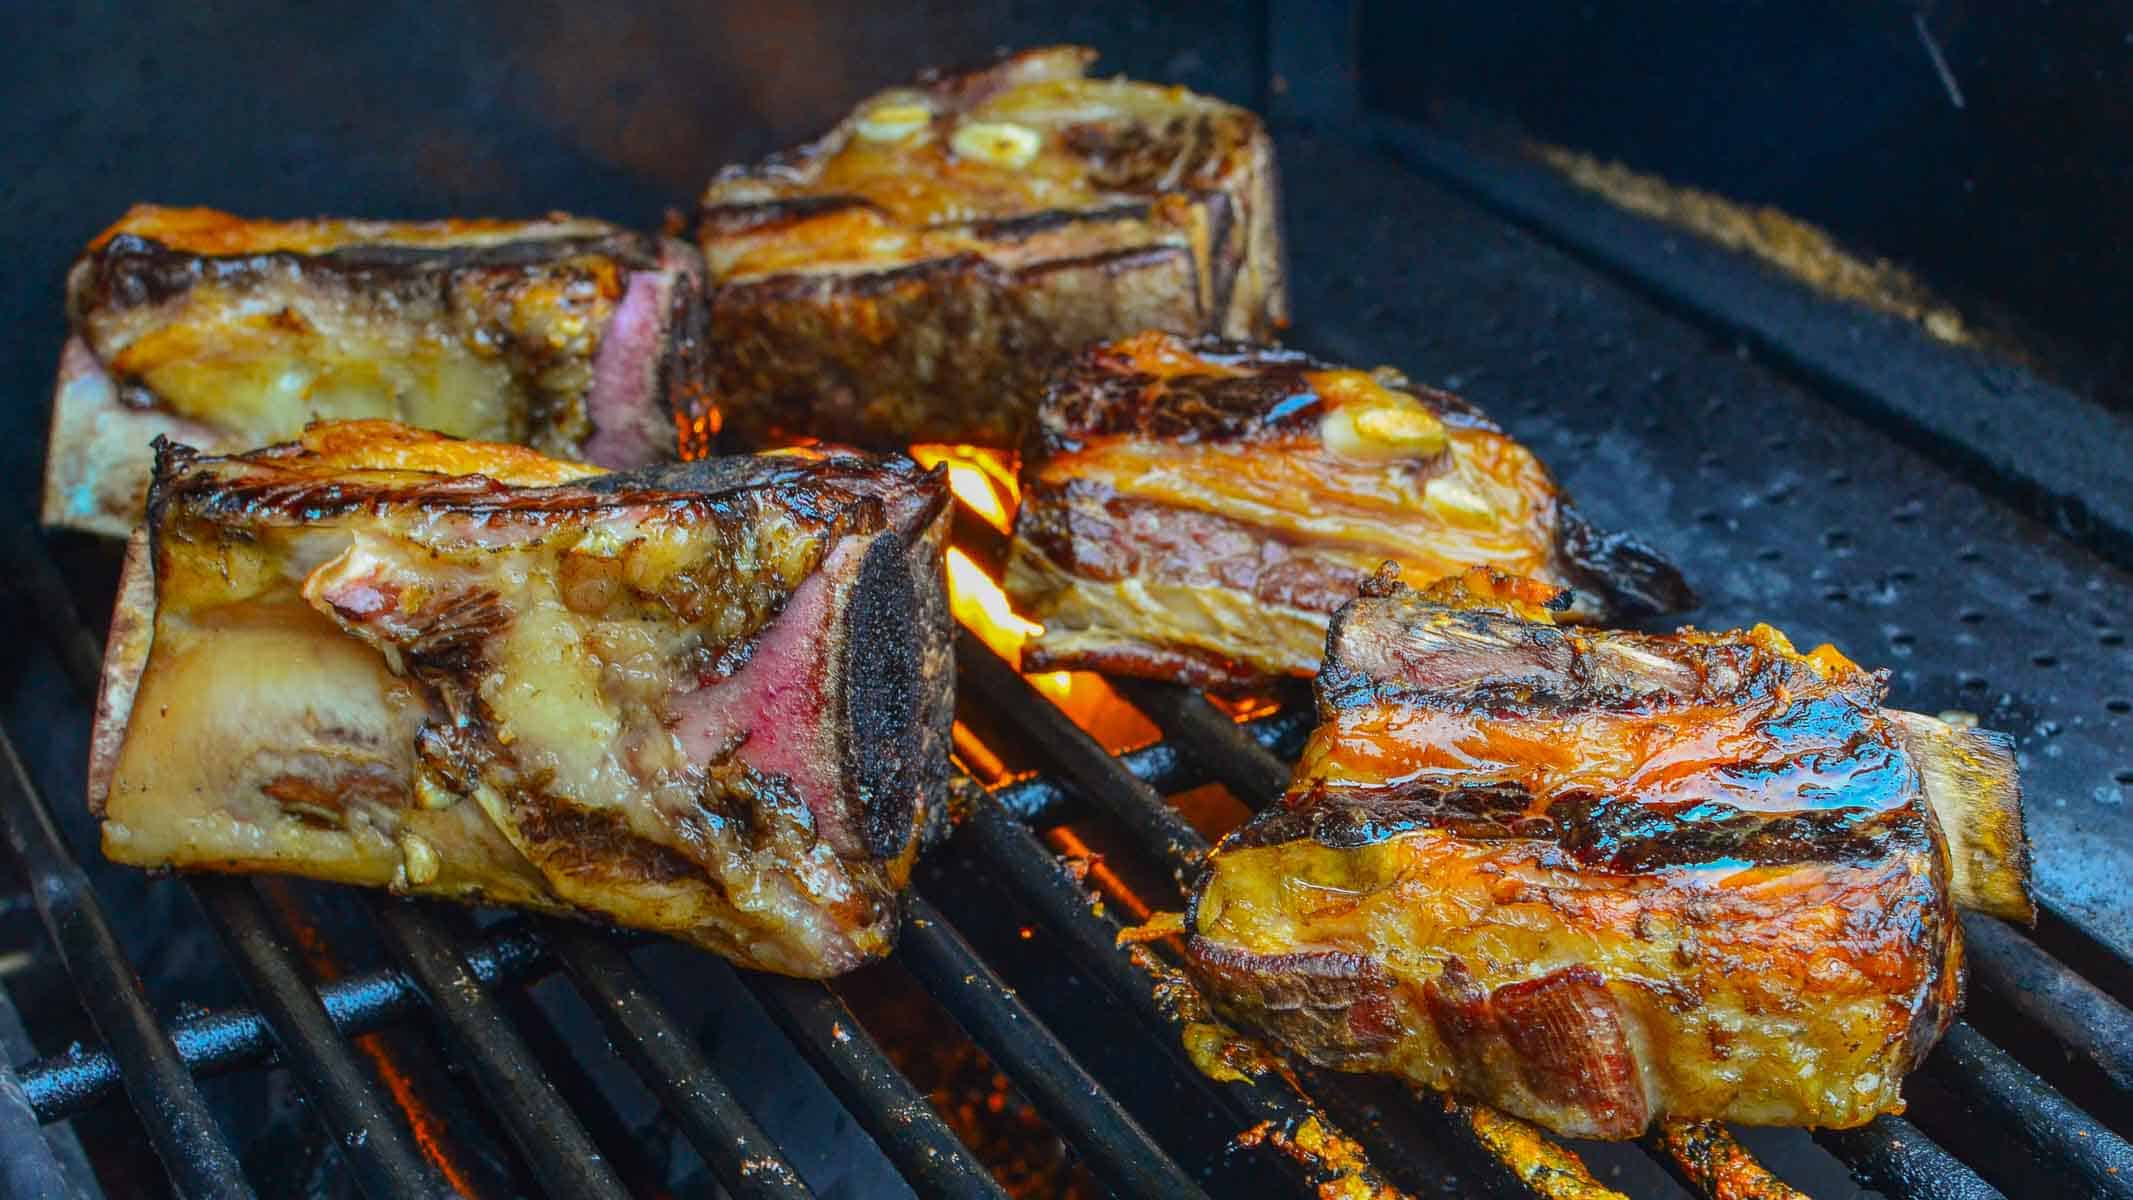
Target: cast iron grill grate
{"points": [[1995, 1110]]}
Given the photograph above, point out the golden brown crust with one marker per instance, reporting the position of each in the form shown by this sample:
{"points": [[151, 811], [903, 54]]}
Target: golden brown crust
{"points": [[580, 338], [216, 234], [1594, 878], [1205, 501], [896, 281], [709, 699]]}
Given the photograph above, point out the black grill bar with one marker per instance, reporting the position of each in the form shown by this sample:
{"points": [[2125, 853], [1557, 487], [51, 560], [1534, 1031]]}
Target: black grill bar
{"points": [[183, 1132], [1893, 1157], [1113, 1144], [913, 1136], [564, 1158], [209, 1043], [378, 1149], [1037, 878], [664, 1055], [1705, 1157], [1042, 802], [1160, 833], [2082, 1017], [27, 1165], [2003, 1095], [1248, 766], [1086, 766]]}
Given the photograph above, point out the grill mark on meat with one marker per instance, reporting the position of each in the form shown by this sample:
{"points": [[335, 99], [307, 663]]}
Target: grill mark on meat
{"points": [[756, 216], [134, 271], [1010, 230], [1624, 835]]}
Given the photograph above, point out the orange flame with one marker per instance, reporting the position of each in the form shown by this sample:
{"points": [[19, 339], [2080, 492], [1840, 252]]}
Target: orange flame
{"points": [[984, 482]]}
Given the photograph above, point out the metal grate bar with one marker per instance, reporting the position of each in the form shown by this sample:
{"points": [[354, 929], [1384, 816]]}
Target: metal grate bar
{"points": [[2082, 1017], [379, 1151], [1097, 776], [1042, 802], [1893, 1157], [27, 1165], [662, 1052], [1114, 1145], [563, 1157], [1086, 766], [2004, 1095], [183, 1132], [852, 1063], [1036, 877], [1213, 742], [67, 1084]]}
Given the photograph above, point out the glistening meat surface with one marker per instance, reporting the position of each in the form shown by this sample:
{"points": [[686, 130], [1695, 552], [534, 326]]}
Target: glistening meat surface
{"points": [[576, 337], [1598, 879], [912, 275], [1196, 509], [709, 699]]}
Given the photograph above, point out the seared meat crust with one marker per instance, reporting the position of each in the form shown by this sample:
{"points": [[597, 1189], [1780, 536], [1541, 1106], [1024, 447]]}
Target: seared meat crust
{"points": [[912, 275], [1600, 879], [576, 337], [710, 699], [1196, 510]]}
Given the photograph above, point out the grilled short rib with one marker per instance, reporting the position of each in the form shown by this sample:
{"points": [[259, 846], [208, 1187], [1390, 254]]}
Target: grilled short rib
{"points": [[1598, 879], [573, 336], [912, 275], [709, 699], [1196, 510]]}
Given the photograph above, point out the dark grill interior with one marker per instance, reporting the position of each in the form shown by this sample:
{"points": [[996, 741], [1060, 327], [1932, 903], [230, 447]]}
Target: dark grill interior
{"points": [[1788, 467]]}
